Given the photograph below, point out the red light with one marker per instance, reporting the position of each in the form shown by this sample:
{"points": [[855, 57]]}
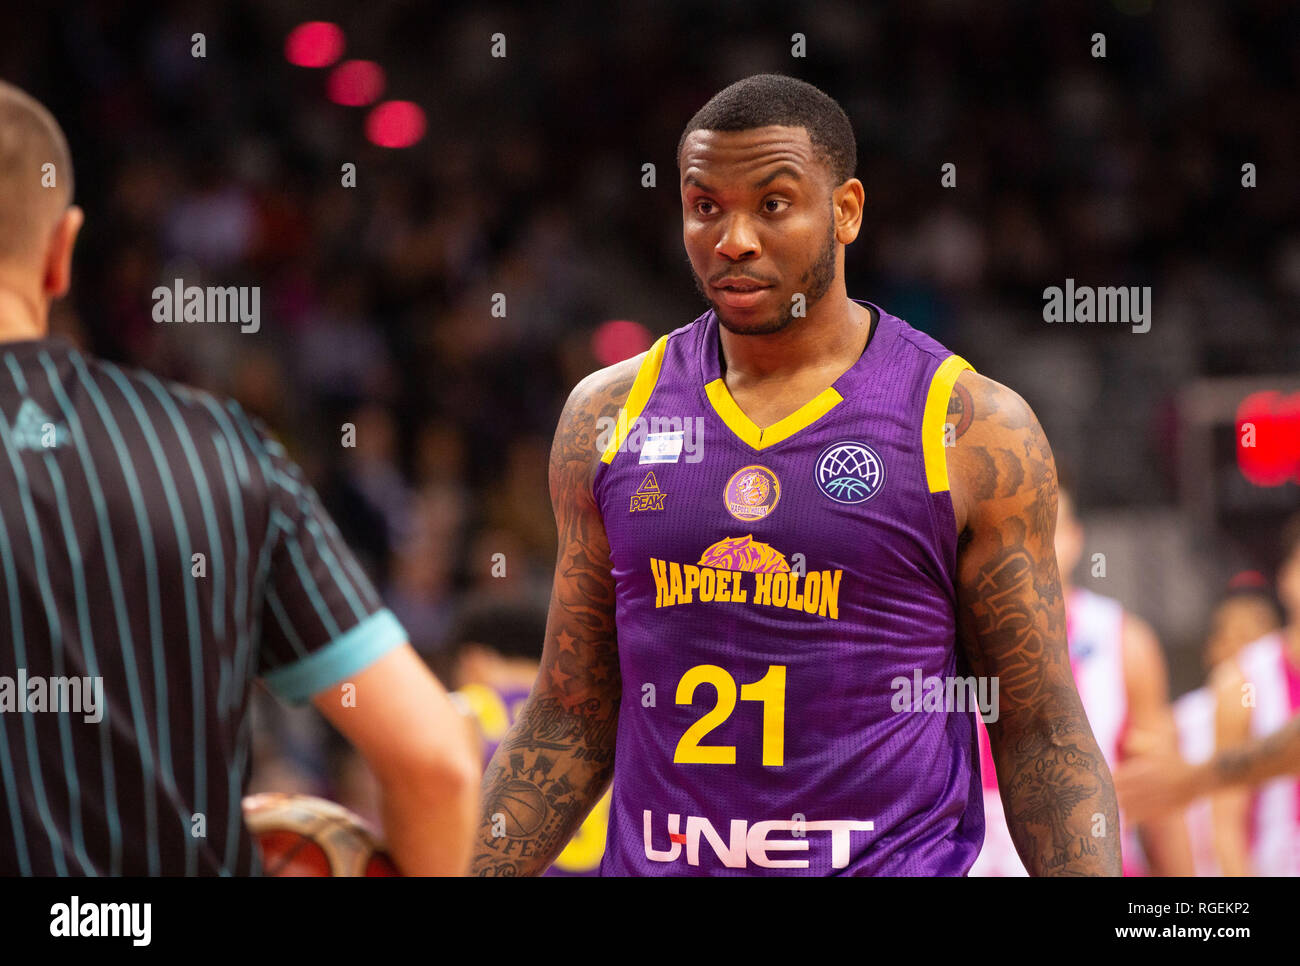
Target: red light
{"points": [[1248, 579], [314, 44], [395, 124], [619, 339], [355, 83], [1274, 456]]}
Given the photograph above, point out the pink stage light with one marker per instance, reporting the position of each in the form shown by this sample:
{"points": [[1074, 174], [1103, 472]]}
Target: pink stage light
{"points": [[395, 124], [314, 44], [355, 83], [619, 339]]}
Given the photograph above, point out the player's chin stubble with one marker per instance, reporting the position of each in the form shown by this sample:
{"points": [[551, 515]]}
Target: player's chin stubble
{"points": [[814, 284]]}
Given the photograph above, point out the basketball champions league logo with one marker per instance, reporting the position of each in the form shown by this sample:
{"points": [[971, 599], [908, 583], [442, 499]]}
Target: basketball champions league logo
{"points": [[849, 472]]}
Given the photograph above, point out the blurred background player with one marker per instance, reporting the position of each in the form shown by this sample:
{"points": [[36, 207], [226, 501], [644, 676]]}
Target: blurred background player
{"points": [[1123, 683], [1256, 691], [1246, 612], [492, 656], [155, 542], [1265, 759]]}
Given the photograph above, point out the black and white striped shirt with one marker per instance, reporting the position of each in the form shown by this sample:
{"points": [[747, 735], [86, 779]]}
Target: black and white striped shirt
{"points": [[156, 540]]}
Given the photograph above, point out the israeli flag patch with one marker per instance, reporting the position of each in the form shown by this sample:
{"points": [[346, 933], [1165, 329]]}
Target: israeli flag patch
{"points": [[662, 447]]}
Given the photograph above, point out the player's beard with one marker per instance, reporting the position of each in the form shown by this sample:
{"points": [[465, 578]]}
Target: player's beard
{"points": [[814, 284]]}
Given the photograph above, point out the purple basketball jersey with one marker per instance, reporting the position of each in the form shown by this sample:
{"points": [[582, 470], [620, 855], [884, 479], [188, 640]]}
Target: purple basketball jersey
{"points": [[773, 586]]}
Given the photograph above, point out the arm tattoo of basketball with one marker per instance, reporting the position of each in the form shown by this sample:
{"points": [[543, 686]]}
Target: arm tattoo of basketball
{"points": [[558, 757], [1011, 624]]}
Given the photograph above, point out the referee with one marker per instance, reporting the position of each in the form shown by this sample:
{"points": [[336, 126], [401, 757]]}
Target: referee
{"points": [[158, 552]]}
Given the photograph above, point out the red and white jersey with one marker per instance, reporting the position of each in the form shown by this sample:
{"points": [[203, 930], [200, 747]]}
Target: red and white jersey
{"points": [[1194, 719], [1094, 630], [1275, 816]]}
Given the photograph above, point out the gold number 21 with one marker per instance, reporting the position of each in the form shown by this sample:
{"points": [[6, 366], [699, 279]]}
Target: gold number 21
{"points": [[769, 689]]}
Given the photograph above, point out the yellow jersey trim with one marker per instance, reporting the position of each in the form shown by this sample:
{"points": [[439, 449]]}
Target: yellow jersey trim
{"points": [[744, 427], [932, 422], [644, 384]]}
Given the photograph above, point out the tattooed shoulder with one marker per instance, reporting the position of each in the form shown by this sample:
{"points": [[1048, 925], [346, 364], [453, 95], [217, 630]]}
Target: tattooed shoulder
{"points": [[587, 421], [998, 453]]}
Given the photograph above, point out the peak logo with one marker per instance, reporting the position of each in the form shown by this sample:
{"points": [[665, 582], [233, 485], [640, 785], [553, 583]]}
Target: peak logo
{"points": [[34, 430], [751, 843]]}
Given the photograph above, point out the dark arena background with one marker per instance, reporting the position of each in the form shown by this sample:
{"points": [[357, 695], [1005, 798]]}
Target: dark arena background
{"points": [[452, 213]]}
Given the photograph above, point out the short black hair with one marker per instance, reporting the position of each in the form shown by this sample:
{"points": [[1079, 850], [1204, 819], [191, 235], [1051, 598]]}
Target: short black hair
{"points": [[775, 99]]}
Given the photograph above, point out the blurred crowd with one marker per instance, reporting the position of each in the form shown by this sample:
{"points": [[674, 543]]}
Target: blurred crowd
{"points": [[377, 299]]}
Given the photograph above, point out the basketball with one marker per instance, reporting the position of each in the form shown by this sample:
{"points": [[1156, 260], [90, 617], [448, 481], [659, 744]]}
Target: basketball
{"points": [[304, 836], [523, 807]]}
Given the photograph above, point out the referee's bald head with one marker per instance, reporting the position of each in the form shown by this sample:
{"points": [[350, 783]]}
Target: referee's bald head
{"points": [[35, 176]]}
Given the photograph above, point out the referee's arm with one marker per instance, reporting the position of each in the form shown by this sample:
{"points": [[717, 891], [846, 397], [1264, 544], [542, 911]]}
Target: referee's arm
{"points": [[328, 637], [418, 745]]}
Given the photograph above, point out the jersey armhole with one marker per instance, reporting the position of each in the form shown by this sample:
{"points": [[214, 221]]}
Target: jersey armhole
{"points": [[643, 386], [933, 421], [934, 455]]}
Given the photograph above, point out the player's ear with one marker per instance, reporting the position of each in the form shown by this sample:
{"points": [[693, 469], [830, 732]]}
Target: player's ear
{"points": [[848, 201], [58, 256]]}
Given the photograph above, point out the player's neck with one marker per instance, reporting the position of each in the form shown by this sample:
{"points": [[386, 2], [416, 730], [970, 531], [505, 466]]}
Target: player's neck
{"points": [[20, 318], [832, 336]]}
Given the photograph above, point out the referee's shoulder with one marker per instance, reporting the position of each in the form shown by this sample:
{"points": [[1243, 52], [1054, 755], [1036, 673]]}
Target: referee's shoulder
{"points": [[200, 409]]}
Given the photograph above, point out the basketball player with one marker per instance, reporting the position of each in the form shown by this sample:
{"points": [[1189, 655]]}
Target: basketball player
{"points": [[731, 637], [158, 551], [1245, 613], [1257, 831], [1270, 747], [1123, 683], [493, 651]]}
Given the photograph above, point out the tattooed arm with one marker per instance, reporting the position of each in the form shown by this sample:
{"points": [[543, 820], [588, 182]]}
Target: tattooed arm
{"points": [[1055, 785], [557, 759]]}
